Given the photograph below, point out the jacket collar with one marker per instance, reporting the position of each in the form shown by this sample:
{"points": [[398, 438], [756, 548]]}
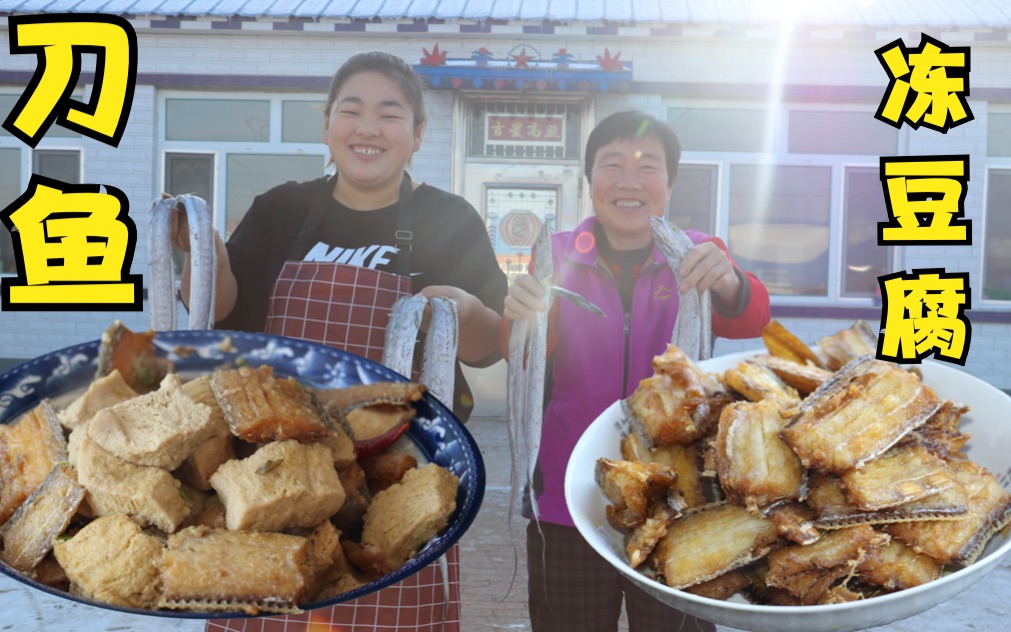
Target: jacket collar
{"points": [[581, 246]]}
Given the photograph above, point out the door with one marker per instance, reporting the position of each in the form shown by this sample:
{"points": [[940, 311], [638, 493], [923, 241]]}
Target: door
{"points": [[521, 169]]}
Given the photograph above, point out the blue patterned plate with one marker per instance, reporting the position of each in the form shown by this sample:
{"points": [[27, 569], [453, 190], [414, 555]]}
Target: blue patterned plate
{"points": [[436, 433]]}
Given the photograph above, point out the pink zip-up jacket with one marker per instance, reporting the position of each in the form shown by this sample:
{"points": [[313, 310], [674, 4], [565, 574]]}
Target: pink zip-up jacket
{"points": [[597, 361]]}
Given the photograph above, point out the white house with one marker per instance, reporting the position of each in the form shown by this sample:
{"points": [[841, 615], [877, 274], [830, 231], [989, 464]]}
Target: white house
{"points": [[774, 102]]}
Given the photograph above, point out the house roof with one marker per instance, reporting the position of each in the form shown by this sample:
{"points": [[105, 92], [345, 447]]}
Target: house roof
{"points": [[939, 14]]}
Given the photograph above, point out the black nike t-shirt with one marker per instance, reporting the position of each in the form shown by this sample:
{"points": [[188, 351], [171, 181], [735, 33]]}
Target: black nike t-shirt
{"points": [[450, 245]]}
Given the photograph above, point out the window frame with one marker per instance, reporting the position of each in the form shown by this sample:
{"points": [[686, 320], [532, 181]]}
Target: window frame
{"points": [[779, 156], [275, 145]]}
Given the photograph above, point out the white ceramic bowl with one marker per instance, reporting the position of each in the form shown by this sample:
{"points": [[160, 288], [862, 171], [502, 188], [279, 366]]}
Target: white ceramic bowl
{"points": [[989, 423]]}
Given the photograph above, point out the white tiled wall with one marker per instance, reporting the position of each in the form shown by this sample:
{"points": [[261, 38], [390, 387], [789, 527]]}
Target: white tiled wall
{"points": [[822, 58]]}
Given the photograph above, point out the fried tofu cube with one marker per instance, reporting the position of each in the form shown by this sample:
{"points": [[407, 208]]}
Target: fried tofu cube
{"points": [[159, 429], [113, 486], [104, 392], [112, 560], [405, 516], [282, 485], [205, 459]]}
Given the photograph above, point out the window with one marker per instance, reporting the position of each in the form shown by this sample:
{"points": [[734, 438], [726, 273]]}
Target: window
{"points": [[10, 189], [997, 237], [779, 226], [795, 194], [59, 164], [998, 134], [693, 200], [57, 156], [302, 121], [217, 119], [863, 259], [251, 174], [227, 149]]}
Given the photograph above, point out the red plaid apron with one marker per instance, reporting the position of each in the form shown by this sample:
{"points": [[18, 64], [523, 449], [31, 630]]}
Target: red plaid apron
{"points": [[347, 307]]}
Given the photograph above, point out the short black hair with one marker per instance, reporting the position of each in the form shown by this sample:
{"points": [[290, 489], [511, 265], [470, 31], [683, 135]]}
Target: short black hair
{"points": [[388, 64], [629, 125]]}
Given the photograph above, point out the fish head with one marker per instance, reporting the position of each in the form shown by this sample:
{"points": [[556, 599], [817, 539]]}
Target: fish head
{"points": [[670, 240]]}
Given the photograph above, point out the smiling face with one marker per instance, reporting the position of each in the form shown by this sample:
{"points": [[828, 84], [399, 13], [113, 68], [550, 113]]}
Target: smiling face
{"points": [[371, 133], [628, 184]]}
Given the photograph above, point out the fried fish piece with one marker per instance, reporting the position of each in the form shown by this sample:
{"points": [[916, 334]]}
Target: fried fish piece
{"points": [[757, 382], [756, 468], [940, 433], [806, 378], [861, 412], [783, 344], [961, 541], [722, 587], [692, 485], [29, 535], [349, 398], [679, 404], [795, 521], [642, 539], [809, 571], [29, 450], [899, 476], [845, 345], [210, 570], [133, 355], [899, 567], [262, 407], [827, 496], [631, 486], [712, 541]]}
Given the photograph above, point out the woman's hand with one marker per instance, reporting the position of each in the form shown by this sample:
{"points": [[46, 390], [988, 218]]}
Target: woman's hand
{"points": [[525, 298], [706, 267], [478, 340]]}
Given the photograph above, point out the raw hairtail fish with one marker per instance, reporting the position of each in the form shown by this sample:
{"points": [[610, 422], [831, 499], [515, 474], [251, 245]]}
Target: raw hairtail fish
{"points": [[203, 264], [401, 332], [526, 380], [693, 329], [438, 365]]}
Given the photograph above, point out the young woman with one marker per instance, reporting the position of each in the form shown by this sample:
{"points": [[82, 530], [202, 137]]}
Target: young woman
{"points": [[630, 164], [325, 260]]}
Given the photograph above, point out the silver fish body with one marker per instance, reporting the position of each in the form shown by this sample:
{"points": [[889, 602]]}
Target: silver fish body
{"points": [[438, 365], [693, 328], [401, 333], [527, 372], [203, 264], [161, 286]]}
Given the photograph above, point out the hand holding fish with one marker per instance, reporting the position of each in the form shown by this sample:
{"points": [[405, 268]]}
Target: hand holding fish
{"points": [[706, 267], [478, 322], [526, 297]]}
